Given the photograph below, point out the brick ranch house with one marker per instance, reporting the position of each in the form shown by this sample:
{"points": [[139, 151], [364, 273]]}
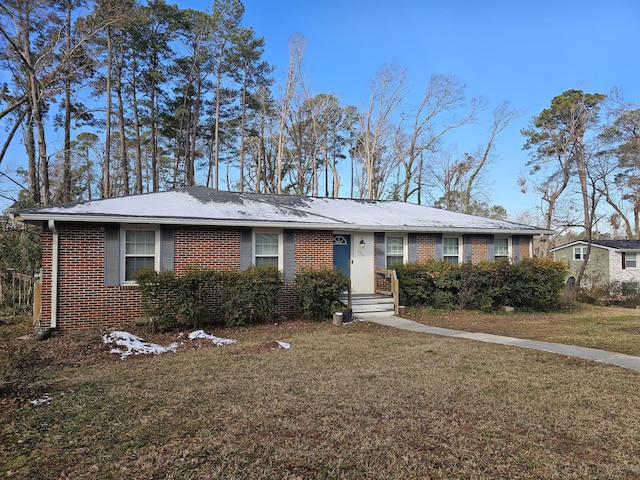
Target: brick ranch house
{"points": [[90, 250]]}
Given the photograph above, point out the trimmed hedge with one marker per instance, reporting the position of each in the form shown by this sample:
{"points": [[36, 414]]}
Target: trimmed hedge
{"points": [[529, 284], [202, 297], [319, 292]]}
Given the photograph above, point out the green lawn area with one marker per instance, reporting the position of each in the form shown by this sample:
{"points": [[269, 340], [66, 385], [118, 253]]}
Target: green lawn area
{"points": [[607, 328], [356, 401]]}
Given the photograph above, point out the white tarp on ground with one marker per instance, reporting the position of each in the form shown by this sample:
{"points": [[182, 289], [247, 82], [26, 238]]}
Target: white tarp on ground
{"points": [[216, 340], [129, 344]]}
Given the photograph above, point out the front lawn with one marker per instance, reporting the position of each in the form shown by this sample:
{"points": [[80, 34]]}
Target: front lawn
{"points": [[608, 328], [356, 401]]}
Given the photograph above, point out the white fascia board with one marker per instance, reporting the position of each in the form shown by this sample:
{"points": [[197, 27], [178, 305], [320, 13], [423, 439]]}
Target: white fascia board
{"points": [[34, 217], [176, 221]]}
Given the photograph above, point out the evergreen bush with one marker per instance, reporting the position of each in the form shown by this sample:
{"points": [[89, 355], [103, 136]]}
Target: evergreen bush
{"points": [[319, 292], [529, 284], [202, 296]]}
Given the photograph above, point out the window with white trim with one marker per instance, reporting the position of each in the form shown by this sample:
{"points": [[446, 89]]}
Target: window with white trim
{"points": [[630, 260], [451, 249], [579, 253], [395, 250], [140, 249], [267, 249], [501, 247]]}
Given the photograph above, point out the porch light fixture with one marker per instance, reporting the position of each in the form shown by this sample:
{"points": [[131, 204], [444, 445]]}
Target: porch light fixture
{"points": [[362, 243]]}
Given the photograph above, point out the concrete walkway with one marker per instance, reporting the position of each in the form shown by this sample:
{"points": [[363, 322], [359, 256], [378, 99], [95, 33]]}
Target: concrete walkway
{"points": [[602, 356]]}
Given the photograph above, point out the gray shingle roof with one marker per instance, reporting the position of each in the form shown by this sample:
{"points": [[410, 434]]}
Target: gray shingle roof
{"points": [[205, 206]]}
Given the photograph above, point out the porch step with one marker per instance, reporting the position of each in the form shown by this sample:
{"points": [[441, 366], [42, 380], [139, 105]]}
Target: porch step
{"points": [[372, 303]]}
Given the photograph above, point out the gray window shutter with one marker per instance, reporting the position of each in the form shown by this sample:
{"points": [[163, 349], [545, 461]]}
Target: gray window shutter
{"points": [[111, 255], [289, 254], [438, 248], [491, 247], [381, 252], [412, 239], [166, 249], [245, 248], [515, 241], [467, 248]]}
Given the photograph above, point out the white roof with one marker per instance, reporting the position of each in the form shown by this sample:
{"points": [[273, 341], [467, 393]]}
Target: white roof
{"points": [[204, 206]]}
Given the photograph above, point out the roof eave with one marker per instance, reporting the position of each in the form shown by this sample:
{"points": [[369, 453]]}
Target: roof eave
{"points": [[34, 217]]}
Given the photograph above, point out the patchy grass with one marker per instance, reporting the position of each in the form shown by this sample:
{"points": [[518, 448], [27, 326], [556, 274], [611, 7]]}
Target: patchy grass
{"points": [[358, 401], [607, 328]]}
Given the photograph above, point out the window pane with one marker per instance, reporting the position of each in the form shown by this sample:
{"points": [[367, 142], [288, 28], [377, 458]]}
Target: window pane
{"points": [[453, 260], [260, 261], [630, 260], [140, 242], [501, 247], [133, 264], [395, 246], [267, 244], [450, 246], [394, 259]]}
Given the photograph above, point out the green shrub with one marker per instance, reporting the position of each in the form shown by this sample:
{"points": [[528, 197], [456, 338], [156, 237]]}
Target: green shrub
{"points": [[319, 292], [476, 290], [251, 296], [158, 293], [537, 284], [416, 285], [202, 296], [196, 298], [530, 284]]}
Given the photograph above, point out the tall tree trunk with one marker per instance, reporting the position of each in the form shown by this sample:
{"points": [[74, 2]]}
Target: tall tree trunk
{"points": [[106, 167], [136, 126], [66, 168], [30, 146], [124, 158]]}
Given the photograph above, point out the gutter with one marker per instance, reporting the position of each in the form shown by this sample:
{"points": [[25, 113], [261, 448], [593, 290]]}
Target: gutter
{"points": [[54, 275], [256, 223]]}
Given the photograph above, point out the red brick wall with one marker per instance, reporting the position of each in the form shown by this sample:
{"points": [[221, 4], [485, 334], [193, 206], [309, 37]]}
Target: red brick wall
{"points": [[83, 299], [313, 250], [426, 247], [206, 247], [525, 245], [479, 248], [85, 302]]}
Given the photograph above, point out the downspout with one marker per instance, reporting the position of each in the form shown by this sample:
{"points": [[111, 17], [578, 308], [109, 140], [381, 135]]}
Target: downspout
{"points": [[54, 275]]}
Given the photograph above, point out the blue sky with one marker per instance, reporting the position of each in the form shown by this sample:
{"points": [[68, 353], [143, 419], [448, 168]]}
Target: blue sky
{"points": [[525, 52]]}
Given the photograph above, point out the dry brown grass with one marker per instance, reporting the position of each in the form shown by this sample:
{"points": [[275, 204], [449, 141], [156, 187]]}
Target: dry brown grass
{"points": [[607, 328], [358, 401]]}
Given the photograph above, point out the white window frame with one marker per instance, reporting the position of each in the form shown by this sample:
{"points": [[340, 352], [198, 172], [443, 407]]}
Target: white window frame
{"points": [[626, 260], [123, 249], [405, 253], [280, 246], [460, 246], [579, 253], [509, 248]]}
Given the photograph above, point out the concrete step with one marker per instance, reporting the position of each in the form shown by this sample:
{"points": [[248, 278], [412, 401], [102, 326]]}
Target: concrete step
{"points": [[372, 303]]}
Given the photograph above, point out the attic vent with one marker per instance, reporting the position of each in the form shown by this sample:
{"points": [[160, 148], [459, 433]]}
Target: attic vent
{"points": [[339, 240]]}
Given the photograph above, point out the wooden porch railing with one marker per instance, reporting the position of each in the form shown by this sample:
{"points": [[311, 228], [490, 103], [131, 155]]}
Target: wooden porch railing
{"points": [[387, 284]]}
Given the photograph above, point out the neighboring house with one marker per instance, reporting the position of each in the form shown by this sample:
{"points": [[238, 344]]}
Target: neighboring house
{"points": [[91, 250], [609, 261]]}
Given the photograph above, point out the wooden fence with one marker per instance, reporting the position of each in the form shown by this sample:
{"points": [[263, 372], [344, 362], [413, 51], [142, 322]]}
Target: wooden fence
{"points": [[16, 292]]}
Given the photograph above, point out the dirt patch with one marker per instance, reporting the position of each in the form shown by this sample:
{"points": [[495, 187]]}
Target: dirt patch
{"points": [[73, 349]]}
